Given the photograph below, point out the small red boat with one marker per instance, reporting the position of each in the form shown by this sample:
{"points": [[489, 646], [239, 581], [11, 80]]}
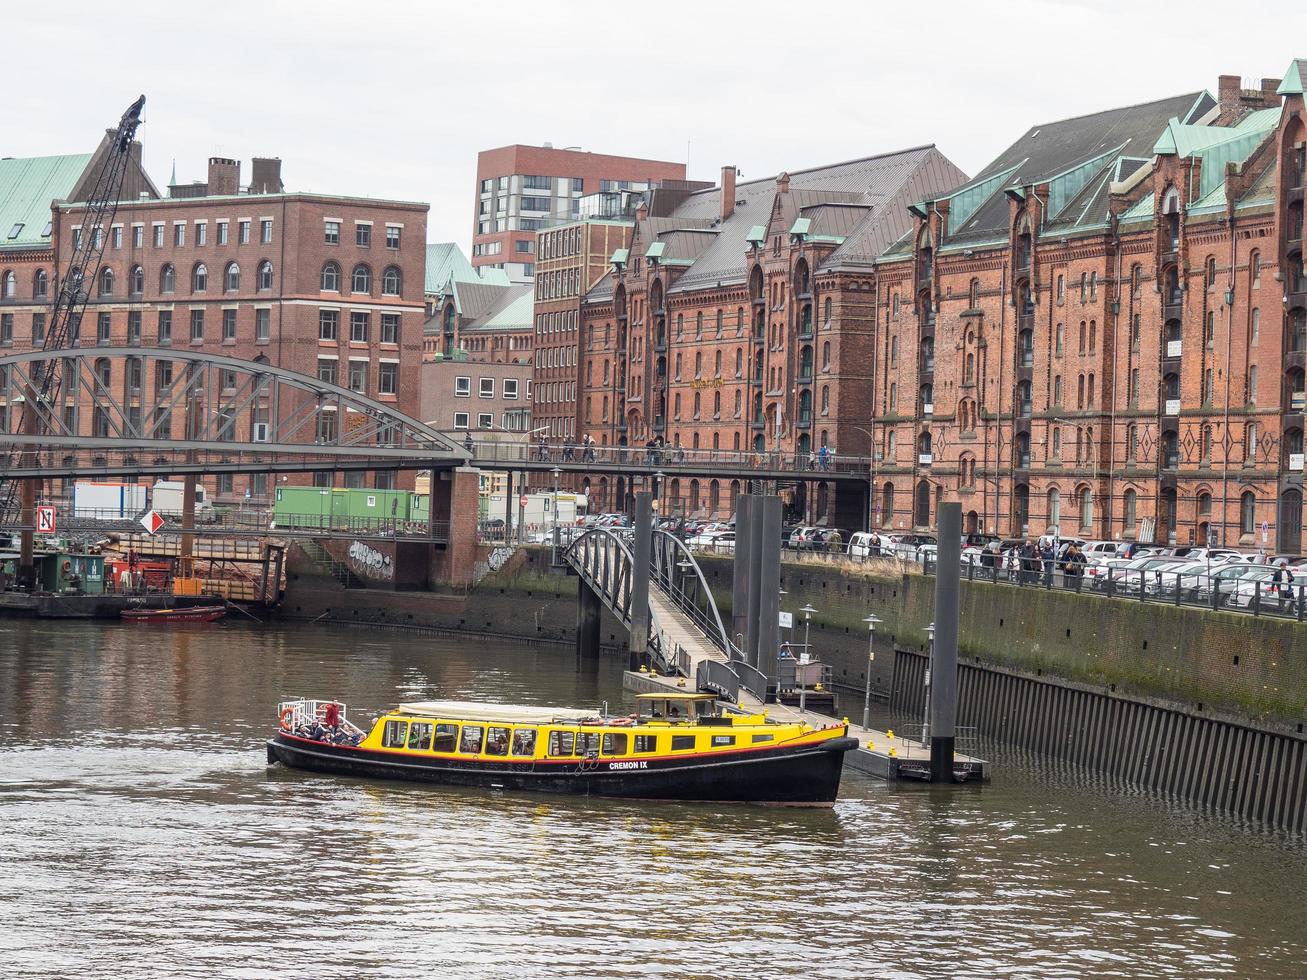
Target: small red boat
{"points": [[186, 614]]}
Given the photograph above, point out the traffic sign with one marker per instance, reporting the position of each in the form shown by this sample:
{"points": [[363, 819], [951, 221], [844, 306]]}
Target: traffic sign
{"points": [[45, 520], [152, 521], [1265, 531]]}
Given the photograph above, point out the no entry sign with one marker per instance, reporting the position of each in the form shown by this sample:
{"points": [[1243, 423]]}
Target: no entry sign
{"points": [[45, 520]]}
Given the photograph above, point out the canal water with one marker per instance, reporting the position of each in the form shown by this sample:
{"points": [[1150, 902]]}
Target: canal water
{"points": [[143, 835]]}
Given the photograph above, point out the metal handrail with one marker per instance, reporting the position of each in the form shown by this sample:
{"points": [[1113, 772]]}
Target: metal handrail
{"points": [[717, 676]]}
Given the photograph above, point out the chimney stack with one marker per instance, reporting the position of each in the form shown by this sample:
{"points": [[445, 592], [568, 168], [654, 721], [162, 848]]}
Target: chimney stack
{"points": [[224, 176], [265, 176], [782, 183], [1236, 101], [728, 192]]}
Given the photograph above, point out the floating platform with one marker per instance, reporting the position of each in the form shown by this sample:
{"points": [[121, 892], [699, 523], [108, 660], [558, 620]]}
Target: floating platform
{"points": [[105, 606], [893, 758]]}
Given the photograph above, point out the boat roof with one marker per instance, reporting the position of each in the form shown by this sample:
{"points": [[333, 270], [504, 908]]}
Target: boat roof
{"points": [[487, 711], [676, 696]]}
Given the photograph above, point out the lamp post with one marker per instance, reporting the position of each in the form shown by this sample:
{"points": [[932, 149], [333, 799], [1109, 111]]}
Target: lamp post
{"points": [[925, 711], [556, 472], [871, 622], [805, 657]]}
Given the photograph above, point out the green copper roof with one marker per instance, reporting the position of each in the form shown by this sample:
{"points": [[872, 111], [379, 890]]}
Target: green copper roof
{"points": [[800, 226], [1069, 183], [446, 261], [620, 256], [1295, 79], [758, 233], [655, 250], [27, 186]]}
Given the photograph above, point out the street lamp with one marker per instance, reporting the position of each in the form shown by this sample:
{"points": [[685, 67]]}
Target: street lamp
{"points": [[805, 657], [556, 474], [871, 622], [925, 711]]}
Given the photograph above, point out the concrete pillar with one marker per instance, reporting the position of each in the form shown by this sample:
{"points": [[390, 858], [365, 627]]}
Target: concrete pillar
{"points": [[27, 500], [768, 553], [754, 532], [944, 655], [185, 560], [639, 646], [588, 611], [743, 568]]}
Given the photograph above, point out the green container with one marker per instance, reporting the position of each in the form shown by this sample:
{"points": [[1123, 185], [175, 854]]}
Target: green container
{"points": [[340, 508], [62, 571]]}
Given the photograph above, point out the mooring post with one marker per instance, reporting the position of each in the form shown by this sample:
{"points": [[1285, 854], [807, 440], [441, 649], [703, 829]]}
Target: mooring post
{"points": [[743, 568], [768, 547], [508, 507], [754, 532], [944, 650], [639, 648]]}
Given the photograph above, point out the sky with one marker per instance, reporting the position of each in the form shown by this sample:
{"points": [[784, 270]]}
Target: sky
{"points": [[395, 99]]}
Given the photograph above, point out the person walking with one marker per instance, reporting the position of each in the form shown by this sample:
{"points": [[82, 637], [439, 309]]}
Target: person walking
{"points": [[1282, 583], [1048, 557], [1075, 567]]}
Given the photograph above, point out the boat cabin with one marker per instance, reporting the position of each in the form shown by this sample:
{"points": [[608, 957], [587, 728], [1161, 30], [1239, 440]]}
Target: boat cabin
{"points": [[674, 705]]}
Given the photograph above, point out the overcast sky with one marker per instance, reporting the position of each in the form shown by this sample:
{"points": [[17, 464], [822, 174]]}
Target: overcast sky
{"points": [[395, 99]]}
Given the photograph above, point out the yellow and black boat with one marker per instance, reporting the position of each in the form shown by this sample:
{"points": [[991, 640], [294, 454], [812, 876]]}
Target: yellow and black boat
{"points": [[674, 747]]}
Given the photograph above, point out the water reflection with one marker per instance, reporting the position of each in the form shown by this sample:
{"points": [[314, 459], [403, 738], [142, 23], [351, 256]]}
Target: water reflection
{"points": [[144, 830]]}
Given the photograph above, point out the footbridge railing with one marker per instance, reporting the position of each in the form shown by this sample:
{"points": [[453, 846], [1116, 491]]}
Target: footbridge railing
{"points": [[677, 574], [605, 563]]}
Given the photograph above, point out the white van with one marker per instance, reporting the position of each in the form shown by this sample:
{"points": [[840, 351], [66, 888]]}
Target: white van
{"points": [[869, 544]]}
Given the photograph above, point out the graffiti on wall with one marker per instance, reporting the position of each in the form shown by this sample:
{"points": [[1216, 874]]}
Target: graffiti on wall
{"points": [[370, 562]]}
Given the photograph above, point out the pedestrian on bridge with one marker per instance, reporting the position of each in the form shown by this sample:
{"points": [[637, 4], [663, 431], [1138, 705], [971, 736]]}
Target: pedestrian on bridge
{"points": [[823, 458]]}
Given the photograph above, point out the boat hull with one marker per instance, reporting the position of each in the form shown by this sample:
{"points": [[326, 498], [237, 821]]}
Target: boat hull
{"points": [[185, 614], [806, 775]]}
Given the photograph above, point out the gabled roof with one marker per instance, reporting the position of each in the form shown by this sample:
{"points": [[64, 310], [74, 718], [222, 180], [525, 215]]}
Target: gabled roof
{"points": [[446, 261], [1076, 157], [472, 299], [27, 186], [1295, 78], [512, 310], [860, 203]]}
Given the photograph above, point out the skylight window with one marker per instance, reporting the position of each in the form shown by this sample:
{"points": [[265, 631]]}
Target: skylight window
{"points": [[46, 231], [16, 230]]}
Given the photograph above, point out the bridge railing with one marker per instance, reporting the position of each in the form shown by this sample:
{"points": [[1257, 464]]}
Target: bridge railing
{"points": [[491, 451], [718, 677]]}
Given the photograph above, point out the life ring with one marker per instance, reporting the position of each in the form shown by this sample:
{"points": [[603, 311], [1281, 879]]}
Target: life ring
{"points": [[287, 715], [67, 566], [620, 721]]}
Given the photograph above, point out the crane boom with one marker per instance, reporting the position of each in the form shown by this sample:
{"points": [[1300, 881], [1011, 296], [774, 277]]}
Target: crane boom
{"points": [[74, 288]]}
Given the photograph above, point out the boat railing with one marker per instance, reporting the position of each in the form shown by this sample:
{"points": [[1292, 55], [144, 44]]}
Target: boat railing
{"points": [[304, 711]]}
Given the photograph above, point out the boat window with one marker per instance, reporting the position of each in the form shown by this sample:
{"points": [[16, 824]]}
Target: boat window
{"points": [[646, 743], [419, 735], [497, 741], [446, 738], [681, 743], [395, 734], [719, 740], [614, 743], [762, 738], [587, 744], [524, 741], [470, 743], [560, 743]]}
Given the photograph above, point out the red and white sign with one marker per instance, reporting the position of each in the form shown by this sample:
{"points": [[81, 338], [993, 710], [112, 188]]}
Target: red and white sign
{"points": [[45, 520], [521, 501], [152, 521]]}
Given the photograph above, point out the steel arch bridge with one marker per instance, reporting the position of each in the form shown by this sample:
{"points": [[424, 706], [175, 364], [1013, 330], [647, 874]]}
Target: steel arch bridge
{"points": [[176, 411]]}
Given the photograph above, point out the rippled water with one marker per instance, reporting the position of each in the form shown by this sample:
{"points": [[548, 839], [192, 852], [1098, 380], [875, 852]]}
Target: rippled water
{"points": [[142, 835]]}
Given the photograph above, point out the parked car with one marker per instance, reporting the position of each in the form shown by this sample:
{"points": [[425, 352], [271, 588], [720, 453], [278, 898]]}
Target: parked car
{"points": [[868, 544], [1258, 587], [801, 537], [719, 541], [908, 546]]}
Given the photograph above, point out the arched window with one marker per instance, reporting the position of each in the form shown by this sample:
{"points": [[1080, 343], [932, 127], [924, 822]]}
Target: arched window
{"points": [[1247, 513], [825, 399], [973, 295], [391, 281], [825, 355], [1057, 443], [199, 278], [739, 361], [41, 284], [11, 284], [331, 278], [1255, 267], [1131, 499], [1054, 507], [1209, 272], [167, 278], [698, 326], [1297, 329], [1086, 508], [106, 282], [265, 275], [827, 308], [137, 281], [361, 281], [231, 277]]}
